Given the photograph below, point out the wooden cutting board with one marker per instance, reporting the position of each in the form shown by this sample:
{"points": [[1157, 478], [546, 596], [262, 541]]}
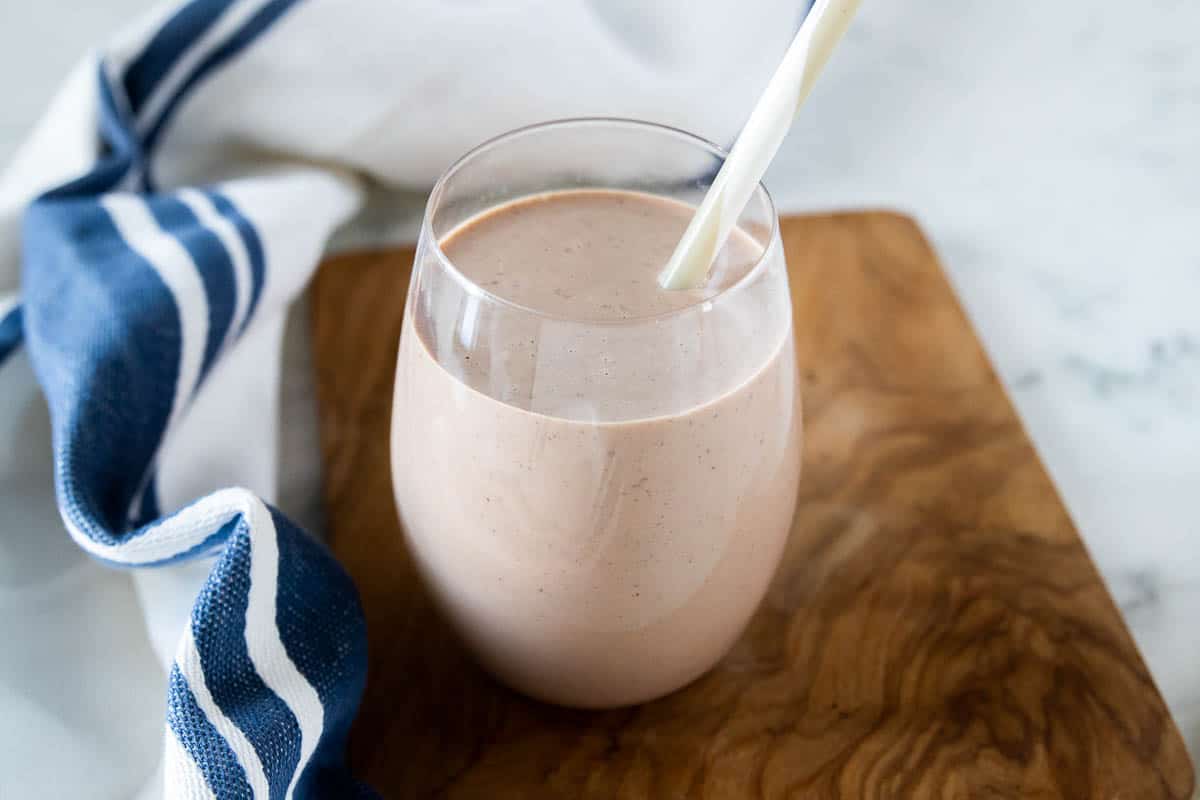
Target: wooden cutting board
{"points": [[936, 628]]}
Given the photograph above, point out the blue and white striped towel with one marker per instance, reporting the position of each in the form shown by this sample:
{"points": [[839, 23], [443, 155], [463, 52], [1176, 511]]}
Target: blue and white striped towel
{"points": [[162, 218]]}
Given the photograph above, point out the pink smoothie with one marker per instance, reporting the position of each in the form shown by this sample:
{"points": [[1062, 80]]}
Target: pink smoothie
{"points": [[597, 535]]}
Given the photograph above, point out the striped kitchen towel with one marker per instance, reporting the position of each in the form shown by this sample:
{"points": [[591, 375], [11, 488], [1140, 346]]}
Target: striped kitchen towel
{"points": [[154, 231], [129, 298]]}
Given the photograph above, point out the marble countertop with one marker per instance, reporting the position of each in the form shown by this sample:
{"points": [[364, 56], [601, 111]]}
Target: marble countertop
{"points": [[1049, 152]]}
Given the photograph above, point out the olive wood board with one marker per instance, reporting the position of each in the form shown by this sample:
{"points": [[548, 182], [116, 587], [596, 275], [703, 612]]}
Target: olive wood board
{"points": [[936, 628]]}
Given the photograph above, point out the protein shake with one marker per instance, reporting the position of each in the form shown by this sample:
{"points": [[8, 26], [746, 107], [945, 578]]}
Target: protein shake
{"points": [[596, 476]]}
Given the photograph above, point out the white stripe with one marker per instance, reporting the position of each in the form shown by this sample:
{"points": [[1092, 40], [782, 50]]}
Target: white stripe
{"points": [[182, 779], [179, 273], [226, 25], [267, 652], [225, 230], [174, 265], [187, 658], [171, 536]]}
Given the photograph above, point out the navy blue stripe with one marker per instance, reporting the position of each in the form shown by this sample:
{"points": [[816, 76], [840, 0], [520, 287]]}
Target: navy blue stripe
{"points": [[104, 335], [167, 46], [219, 628], [212, 754], [212, 262], [11, 333], [254, 249], [258, 24]]}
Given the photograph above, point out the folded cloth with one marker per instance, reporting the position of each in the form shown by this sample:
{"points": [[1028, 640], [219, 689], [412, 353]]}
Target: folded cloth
{"points": [[163, 217]]}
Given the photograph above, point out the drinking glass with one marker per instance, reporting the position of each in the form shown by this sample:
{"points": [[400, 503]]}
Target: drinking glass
{"points": [[597, 505]]}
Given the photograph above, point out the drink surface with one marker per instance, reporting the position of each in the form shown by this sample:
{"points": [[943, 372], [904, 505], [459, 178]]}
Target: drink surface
{"points": [[609, 546], [589, 254]]}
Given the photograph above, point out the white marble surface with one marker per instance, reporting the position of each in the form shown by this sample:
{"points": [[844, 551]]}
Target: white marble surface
{"points": [[1050, 151]]}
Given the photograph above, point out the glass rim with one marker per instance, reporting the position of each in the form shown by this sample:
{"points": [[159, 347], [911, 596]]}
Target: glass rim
{"points": [[475, 289]]}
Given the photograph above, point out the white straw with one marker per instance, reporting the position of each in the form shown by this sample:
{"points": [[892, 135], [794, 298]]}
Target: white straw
{"points": [[757, 144]]}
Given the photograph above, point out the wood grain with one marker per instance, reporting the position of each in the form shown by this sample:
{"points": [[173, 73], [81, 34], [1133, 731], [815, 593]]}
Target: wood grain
{"points": [[936, 628]]}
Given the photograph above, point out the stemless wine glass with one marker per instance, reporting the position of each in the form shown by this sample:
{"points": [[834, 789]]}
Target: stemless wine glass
{"points": [[597, 504]]}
